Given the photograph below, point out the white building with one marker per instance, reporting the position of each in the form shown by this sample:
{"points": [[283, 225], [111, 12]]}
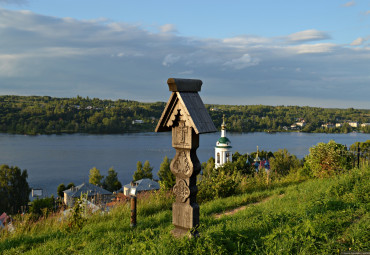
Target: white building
{"points": [[301, 123], [353, 124], [327, 125], [135, 188], [137, 122], [223, 148]]}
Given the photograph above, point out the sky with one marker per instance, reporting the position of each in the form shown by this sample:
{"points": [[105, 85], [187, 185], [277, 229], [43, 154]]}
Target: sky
{"points": [[270, 52]]}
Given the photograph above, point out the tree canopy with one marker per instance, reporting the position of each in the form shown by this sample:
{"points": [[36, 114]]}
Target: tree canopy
{"points": [[143, 171], [60, 190], [49, 115], [111, 182], [166, 177], [14, 189], [95, 177], [327, 159]]}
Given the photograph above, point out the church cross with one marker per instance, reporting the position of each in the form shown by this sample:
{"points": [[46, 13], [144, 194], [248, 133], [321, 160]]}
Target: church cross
{"points": [[183, 131]]}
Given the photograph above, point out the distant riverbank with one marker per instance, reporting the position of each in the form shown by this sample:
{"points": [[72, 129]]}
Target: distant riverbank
{"points": [[34, 115]]}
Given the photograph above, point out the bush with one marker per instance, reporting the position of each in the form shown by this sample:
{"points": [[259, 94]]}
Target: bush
{"points": [[43, 206], [283, 162], [327, 159], [218, 184]]}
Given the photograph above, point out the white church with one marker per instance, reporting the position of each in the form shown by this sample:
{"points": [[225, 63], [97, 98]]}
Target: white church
{"points": [[223, 147]]}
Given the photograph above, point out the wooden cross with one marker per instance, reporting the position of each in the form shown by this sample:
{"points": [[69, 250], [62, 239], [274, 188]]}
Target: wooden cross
{"points": [[186, 116]]}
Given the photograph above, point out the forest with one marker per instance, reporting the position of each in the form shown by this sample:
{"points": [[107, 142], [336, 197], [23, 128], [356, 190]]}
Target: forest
{"points": [[34, 115]]}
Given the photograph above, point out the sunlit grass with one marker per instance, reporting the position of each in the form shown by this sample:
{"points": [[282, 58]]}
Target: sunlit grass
{"points": [[321, 216]]}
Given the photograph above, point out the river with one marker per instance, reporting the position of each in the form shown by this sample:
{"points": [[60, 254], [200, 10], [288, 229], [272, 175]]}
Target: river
{"points": [[54, 159]]}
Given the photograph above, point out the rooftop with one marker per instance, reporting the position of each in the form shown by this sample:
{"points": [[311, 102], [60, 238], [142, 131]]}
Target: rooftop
{"points": [[88, 188]]}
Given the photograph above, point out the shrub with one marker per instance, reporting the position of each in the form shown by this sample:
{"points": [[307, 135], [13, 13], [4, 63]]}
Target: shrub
{"points": [[283, 162], [218, 184], [43, 206], [327, 159]]}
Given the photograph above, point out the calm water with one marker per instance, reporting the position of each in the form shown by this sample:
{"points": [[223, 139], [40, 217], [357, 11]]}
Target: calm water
{"points": [[54, 159]]}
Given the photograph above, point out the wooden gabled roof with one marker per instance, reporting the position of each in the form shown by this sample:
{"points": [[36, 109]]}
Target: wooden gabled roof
{"points": [[190, 106]]}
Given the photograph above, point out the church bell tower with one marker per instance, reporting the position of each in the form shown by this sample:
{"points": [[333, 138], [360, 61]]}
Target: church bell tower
{"points": [[223, 147]]}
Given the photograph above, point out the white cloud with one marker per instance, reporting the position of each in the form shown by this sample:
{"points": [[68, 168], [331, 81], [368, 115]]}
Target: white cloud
{"points": [[313, 48], [242, 62], [349, 4], [187, 72], [119, 60], [8, 65], [170, 59], [308, 35], [358, 41], [16, 2], [168, 28], [242, 41]]}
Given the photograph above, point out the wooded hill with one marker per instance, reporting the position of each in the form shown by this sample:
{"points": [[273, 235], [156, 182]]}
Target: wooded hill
{"points": [[48, 115]]}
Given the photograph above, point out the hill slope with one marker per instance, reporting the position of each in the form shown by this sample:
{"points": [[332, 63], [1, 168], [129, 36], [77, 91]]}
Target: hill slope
{"points": [[321, 216]]}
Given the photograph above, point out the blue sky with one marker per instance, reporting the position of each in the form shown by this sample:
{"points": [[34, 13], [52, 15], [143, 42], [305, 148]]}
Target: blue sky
{"points": [[290, 52]]}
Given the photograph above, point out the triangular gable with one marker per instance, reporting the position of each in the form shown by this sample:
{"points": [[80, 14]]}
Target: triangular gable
{"points": [[192, 110]]}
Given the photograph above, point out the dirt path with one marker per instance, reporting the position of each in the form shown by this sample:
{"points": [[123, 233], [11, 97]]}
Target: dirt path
{"points": [[233, 211]]}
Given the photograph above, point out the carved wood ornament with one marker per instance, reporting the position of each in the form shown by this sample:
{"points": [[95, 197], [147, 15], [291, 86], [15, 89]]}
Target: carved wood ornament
{"points": [[187, 117]]}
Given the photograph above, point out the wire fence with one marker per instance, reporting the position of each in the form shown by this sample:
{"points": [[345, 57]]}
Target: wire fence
{"points": [[356, 157]]}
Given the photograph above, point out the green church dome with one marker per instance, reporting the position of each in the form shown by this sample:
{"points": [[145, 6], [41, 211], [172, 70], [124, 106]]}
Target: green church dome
{"points": [[224, 140]]}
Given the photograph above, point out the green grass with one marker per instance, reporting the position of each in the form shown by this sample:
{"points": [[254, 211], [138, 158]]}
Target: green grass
{"points": [[320, 216]]}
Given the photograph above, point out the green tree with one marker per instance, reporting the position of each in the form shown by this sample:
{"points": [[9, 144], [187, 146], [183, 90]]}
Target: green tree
{"points": [[143, 171], [43, 206], [283, 162], [139, 173], [95, 177], [217, 184], [326, 159], [60, 190], [147, 169], [14, 189], [111, 182], [165, 175], [70, 185], [208, 167]]}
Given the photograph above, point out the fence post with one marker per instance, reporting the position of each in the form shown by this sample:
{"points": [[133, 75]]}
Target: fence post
{"points": [[133, 212], [358, 156]]}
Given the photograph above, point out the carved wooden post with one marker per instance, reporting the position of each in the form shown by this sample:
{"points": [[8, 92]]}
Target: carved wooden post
{"points": [[187, 117], [133, 212]]}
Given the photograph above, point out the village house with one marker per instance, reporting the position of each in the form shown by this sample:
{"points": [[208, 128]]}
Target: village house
{"points": [[293, 127], [338, 125], [95, 194], [301, 123], [327, 125], [139, 186], [353, 124], [137, 122], [365, 124]]}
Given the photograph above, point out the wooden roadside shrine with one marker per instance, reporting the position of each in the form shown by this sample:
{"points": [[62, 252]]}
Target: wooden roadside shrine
{"points": [[186, 116]]}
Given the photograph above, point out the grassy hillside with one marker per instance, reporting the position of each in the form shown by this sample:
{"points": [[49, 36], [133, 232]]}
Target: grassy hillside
{"points": [[318, 216]]}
